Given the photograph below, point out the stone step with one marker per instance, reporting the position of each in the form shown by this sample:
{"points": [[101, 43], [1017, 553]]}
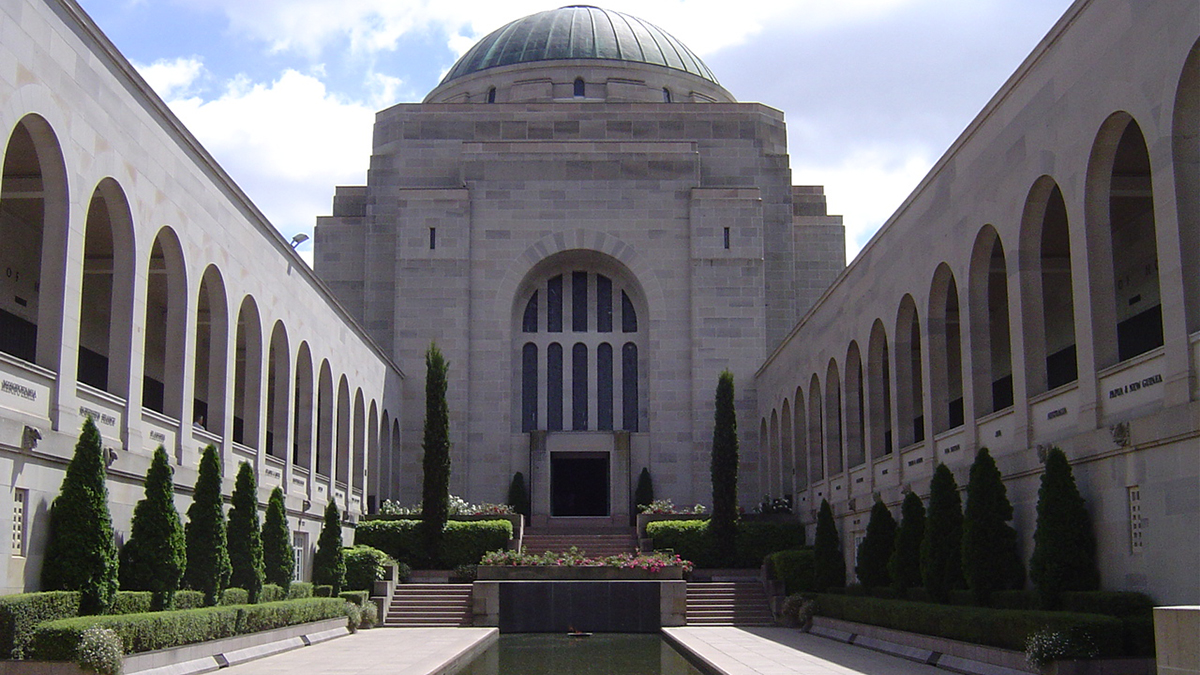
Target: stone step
{"points": [[728, 604], [430, 604]]}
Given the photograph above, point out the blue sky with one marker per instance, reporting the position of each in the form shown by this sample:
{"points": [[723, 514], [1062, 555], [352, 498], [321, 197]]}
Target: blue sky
{"points": [[283, 92]]}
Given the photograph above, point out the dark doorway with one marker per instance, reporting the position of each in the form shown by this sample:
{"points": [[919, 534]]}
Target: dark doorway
{"points": [[579, 484]]}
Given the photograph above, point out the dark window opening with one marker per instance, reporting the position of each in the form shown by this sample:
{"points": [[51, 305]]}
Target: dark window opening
{"points": [[727, 239], [955, 413], [153, 394], [604, 387], [604, 307], [1061, 368], [629, 322], [93, 368], [554, 387], [529, 387], [666, 95], [529, 323], [579, 302], [629, 387], [18, 337], [579, 387], [1140, 333], [432, 238], [579, 87], [579, 484], [1002, 393], [918, 429], [554, 304], [491, 96]]}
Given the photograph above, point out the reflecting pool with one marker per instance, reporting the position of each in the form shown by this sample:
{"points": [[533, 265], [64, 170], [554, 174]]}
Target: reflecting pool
{"points": [[600, 654]]}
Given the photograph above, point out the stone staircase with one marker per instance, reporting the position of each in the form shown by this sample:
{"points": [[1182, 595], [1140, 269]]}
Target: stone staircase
{"points": [[430, 605], [728, 603], [593, 544]]}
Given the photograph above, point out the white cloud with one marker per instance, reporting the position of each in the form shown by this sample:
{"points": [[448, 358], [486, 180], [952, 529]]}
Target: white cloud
{"points": [[287, 143], [171, 78]]}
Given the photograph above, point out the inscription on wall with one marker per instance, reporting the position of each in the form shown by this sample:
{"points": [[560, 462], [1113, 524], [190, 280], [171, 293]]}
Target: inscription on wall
{"points": [[954, 448], [1053, 414], [101, 418], [19, 390], [158, 436], [1135, 386]]}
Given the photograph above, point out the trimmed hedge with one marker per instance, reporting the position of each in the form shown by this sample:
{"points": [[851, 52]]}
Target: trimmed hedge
{"points": [[299, 589], [364, 566], [690, 539], [356, 597], [20, 614], [794, 569], [235, 596], [323, 591], [58, 640], [463, 542], [189, 599], [272, 593], [1005, 628]]}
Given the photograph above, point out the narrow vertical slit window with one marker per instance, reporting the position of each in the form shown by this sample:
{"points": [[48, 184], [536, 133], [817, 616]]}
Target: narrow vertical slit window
{"points": [[529, 322], [20, 499], [432, 238], [491, 95], [529, 387], [727, 239], [554, 304], [579, 88], [579, 387], [554, 387], [629, 386], [629, 322], [604, 307], [579, 302], [1135, 519], [604, 387]]}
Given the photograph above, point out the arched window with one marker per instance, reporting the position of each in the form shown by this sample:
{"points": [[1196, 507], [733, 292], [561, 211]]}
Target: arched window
{"points": [[1185, 136], [945, 351], [106, 307], [212, 331], [302, 426], [816, 437], [990, 342], [325, 421], [800, 440], [879, 386], [162, 375], [1048, 320], [666, 95], [491, 95], [579, 88], [247, 378], [579, 310], [856, 452], [788, 469], [342, 448], [910, 387], [833, 421], [278, 376]]}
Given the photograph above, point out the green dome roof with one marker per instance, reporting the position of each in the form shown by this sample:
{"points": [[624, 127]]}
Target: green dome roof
{"points": [[579, 32]]}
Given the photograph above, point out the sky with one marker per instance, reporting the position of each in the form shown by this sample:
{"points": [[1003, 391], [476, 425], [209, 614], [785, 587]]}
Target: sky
{"points": [[283, 92]]}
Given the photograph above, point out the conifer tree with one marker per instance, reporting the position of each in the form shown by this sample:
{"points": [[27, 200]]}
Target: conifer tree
{"points": [[207, 554], [278, 563], [876, 547], [941, 548], [904, 565], [829, 566], [329, 564], [518, 495], [643, 494], [81, 554], [153, 558], [245, 538], [1064, 547], [435, 493], [722, 527], [990, 559]]}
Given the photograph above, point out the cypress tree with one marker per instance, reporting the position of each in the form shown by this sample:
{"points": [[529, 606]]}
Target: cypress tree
{"points": [[876, 547], [518, 495], [153, 558], [643, 494], [829, 566], [722, 527], [278, 563], [990, 559], [904, 565], [207, 556], [941, 548], [1064, 547], [81, 554], [435, 492], [329, 565], [245, 538]]}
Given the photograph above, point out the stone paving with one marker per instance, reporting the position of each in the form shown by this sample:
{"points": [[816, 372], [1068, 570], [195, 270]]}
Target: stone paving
{"points": [[784, 651], [725, 649]]}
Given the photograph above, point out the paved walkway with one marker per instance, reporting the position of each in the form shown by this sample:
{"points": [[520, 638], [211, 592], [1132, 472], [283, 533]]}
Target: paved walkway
{"points": [[726, 650], [786, 651], [410, 651]]}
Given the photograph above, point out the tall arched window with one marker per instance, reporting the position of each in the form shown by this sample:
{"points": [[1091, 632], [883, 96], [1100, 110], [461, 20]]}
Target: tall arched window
{"points": [[580, 88], [575, 306], [945, 351], [106, 307]]}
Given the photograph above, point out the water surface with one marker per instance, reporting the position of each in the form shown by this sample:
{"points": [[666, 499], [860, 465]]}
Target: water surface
{"points": [[600, 654]]}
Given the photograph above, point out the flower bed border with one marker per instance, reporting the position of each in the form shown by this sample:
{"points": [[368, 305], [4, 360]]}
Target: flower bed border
{"points": [[575, 573]]}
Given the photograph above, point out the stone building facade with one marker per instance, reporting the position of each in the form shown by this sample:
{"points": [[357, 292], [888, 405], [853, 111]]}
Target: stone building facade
{"points": [[590, 236], [142, 288], [1040, 288]]}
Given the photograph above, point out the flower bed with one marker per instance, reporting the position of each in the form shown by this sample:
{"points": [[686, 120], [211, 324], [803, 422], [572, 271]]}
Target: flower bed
{"points": [[512, 565]]}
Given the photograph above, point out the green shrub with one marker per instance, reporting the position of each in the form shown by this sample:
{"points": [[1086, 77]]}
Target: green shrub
{"points": [[1048, 645], [370, 615], [329, 567], [278, 563], [59, 640], [244, 535], [322, 591], [1111, 603], [234, 596], [353, 616], [876, 547], [724, 474], [153, 558], [1016, 600], [188, 599], [990, 557], [904, 565], [364, 566], [81, 554], [299, 589], [357, 597], [518, 495], [1005, 628], [829, 565], [1064, 547], [691, 540], [272, 593], [207, 567], [100, 651], [20, 614], [464, 542], [435, 462], [133, 602], [794, 568], [941, 549]]}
